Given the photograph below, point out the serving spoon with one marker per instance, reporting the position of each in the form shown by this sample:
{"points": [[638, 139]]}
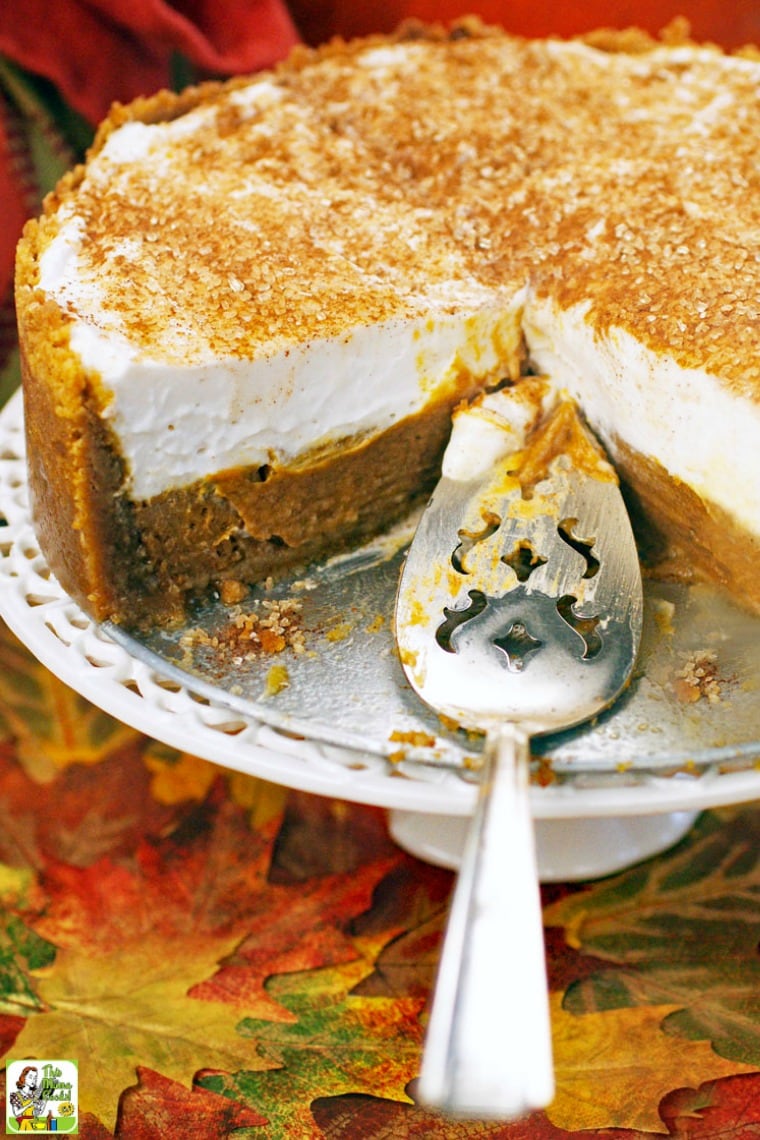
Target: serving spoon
{"points": [[519, 612]]}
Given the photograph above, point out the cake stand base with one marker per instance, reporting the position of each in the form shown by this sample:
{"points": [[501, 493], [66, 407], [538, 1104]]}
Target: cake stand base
{"points": [[567, 850]]}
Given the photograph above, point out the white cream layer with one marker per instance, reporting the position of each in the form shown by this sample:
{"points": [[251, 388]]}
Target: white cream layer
{"points": [[179, 425], [176, 425], [684, 418]]}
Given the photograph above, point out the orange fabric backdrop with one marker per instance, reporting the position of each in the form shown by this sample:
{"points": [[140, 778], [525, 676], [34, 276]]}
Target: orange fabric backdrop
{"points": [[730, 24]]}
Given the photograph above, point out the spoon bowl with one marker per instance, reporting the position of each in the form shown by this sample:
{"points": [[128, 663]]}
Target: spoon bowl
{"points": [[519, 612]]}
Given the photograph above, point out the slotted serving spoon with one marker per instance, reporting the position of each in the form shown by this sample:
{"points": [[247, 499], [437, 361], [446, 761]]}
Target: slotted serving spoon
{"points": [[519, 612]]}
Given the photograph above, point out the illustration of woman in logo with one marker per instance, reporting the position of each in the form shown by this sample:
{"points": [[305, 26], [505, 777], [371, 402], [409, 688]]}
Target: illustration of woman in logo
{"points": [[27, 1103]]}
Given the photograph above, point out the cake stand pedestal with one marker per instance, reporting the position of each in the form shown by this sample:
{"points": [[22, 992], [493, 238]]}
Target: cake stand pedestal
{"points": [[567, 850]]}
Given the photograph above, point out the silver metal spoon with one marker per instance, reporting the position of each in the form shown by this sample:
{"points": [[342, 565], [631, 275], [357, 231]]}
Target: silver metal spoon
{"points": [[519, 612]]}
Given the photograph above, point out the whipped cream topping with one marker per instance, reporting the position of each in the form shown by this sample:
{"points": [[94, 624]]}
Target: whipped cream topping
{"points": [[681, 417], [350, 270], [179, 425]]}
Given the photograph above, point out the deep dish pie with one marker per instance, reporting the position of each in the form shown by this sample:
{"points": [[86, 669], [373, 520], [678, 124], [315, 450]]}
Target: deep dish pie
{"points": [[246, 319]]}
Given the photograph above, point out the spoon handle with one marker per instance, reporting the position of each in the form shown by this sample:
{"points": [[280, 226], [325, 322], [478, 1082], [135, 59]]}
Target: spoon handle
{"points": [[488, 1048]]}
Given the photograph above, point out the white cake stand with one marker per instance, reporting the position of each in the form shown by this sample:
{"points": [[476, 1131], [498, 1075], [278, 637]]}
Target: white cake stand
{"points": [[597, 816]]}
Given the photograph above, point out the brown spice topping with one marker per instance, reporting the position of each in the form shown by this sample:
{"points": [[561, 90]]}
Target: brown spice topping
{"points": [[374, 180]]}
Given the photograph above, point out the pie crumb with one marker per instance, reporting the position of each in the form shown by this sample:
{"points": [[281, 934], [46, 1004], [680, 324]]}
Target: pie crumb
{"points": [[698, 678]]}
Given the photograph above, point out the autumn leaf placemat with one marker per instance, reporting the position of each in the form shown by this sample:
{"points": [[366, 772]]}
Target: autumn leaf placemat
{"points": [[223, 958]]}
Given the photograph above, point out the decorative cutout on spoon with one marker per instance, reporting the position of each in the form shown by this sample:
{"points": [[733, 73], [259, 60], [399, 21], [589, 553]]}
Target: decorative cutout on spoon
{"points": [[470, 538], [583, 546], [524, 559], [517, 644], [455, 618], [585, 627]]}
